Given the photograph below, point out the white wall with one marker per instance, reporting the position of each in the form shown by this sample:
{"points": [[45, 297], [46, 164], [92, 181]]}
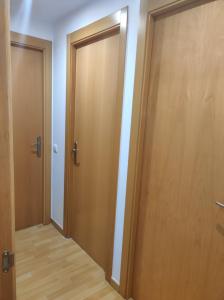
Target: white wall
{"points": [[83, 17], [22, 24]]}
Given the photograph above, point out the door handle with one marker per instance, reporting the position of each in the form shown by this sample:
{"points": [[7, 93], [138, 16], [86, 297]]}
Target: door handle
{"points": [[220, 204], [75, 151], [38, 146]]}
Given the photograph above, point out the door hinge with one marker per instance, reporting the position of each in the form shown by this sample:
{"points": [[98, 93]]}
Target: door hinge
{"points": [[8, 259]]}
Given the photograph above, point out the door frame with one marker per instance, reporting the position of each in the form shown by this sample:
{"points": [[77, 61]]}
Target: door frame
{"points": [[116, 22], [45, 46], [7, 280], [148, 11]]}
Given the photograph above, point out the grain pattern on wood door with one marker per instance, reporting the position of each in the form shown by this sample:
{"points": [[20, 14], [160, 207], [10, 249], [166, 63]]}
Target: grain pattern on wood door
{"points": [[95, 121], [27, 88], [180, 236]]}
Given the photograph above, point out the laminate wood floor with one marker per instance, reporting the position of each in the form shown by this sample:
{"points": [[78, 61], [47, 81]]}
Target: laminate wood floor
{"points": [[50, 267]]}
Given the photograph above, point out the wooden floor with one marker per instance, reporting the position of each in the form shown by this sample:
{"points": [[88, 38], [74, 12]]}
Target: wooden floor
{"points": [[52, 267]]}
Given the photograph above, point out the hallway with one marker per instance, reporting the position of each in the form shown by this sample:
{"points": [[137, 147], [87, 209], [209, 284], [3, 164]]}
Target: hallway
{"points": [[50, 267]]}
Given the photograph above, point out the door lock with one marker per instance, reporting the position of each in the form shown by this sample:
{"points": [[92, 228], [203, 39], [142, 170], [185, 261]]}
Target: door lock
{"points": [[38, 146], [75, 151]]}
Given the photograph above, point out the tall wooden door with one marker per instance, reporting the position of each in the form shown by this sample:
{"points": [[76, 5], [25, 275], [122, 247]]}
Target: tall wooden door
{"points": [[27, 90], [7, 279], [180, 237], [94, 130]]}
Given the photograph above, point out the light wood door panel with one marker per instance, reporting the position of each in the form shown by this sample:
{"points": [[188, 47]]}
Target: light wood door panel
{"points": [[27, 88], [7, 280], [94, 129], [180, 236]]}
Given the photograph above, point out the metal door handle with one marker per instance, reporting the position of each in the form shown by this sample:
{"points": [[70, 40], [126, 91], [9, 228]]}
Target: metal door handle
{"points": [[37, 146], [220, 204], [75, 151]]}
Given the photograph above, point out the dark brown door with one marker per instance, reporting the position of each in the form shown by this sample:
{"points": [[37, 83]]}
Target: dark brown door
{"points": [[180, 240], [27, 89], [94, 130]]}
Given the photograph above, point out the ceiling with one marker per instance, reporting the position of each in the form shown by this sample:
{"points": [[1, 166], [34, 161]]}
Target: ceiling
{"points": [[46, 10]]}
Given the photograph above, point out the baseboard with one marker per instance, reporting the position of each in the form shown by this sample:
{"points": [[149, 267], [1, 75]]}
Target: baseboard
{"points": [[59, 229], [115, 285]]}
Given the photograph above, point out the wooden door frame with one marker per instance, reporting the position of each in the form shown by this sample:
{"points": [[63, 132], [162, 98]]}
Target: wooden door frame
{"points": [[116, 22], [7, 226], [149, 10], [25, 41]]}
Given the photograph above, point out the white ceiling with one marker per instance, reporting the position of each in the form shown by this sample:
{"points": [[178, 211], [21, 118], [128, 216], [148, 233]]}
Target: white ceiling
{"points": [[46, 10]]}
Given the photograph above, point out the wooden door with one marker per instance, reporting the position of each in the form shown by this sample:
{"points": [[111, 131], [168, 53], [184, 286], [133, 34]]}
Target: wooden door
{"points": [[7, 280], [180, 237], [27, 88], [96, 91]]}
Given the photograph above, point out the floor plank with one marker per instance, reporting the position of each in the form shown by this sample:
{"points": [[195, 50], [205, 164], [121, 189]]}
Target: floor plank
{"points": [[50, 267]]}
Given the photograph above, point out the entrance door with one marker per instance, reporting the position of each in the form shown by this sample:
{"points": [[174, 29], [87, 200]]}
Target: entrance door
{"points": [[27, 89], [180, 237], [96, 141]]}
